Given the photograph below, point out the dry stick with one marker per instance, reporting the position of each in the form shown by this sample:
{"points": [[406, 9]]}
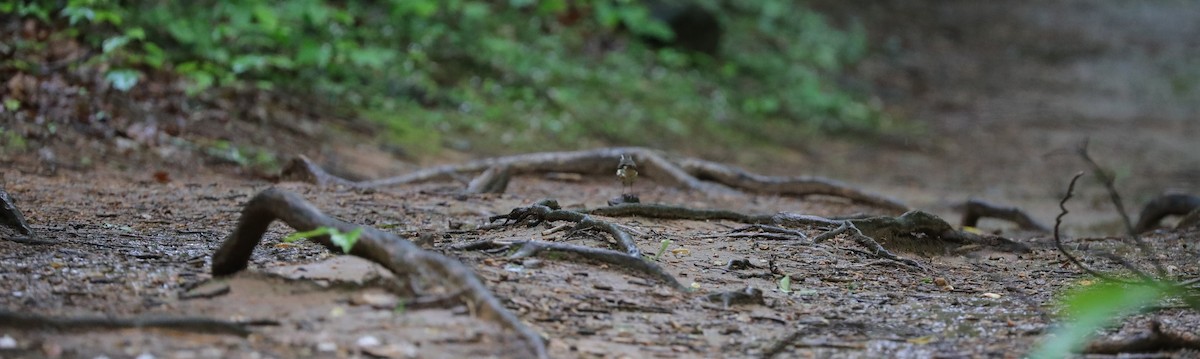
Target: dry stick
{"points": [[30, 321], [531, 248], [1108, 184], [792, 185], [1141, 244], [402, 257], [1062, 205]]}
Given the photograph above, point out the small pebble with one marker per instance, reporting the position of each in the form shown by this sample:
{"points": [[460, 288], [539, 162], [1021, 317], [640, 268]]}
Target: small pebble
{"points": [[326, 347], [7, 342], [368, 341]]}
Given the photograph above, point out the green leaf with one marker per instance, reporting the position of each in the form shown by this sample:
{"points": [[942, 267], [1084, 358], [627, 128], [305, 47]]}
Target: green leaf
{"points": [[75, 13], [153, 55], [122, 79], [136, 33], [1092, 308], [475, 10], [662, 249], [11, 104], [320, 231], [113, 43], [785, 284], [344, 240]]}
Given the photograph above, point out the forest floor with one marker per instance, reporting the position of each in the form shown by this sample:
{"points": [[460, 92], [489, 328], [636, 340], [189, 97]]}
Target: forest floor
{"points": [[134, 207]]}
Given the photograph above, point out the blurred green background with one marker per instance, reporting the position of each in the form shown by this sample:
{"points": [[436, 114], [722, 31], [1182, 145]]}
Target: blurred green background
{"points": [[515, 75]]}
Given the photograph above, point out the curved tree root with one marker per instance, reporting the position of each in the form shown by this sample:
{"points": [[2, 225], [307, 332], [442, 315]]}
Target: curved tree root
{"points": [[1152, 340], [708, 177], [402, 257], [900, 231], [622, 260], [1163, 206], [538, 212], [974, 209], [29, 321], [788, 185], [11, 217]]}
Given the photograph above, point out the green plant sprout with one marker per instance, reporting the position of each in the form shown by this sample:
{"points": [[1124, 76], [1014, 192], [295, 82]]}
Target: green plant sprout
{"points": [[661, 249], [344, 240]]}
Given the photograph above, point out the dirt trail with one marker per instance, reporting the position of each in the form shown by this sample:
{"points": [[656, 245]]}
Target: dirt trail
{"points": [[1006, 91]]}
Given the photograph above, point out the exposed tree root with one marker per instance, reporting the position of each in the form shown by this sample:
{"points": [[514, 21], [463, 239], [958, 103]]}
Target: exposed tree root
{"points": [[662, 211], [975, 209], [708, 177], [11, 217], [1154, 339], [30, 321], [402, 257], [787, 185], [1189, 221], [492, 180], [914, 230], [538, 212], [622, 260], [1163, 206], [911, 229]]}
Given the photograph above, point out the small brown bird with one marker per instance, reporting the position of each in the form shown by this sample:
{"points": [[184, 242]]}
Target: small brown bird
{"points": [[627, 172]]}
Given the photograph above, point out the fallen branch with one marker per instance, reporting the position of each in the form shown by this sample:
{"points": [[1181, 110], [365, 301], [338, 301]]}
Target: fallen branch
{"points": [[402, 257], [30, 321], [975, 209]]}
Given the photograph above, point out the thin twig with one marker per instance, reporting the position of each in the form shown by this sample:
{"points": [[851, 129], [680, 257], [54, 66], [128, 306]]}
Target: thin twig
{"points": [[1105, 179], [1062, 205], [1108, 182]]}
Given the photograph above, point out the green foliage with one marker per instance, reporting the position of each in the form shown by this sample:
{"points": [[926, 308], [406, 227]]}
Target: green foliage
{"points": [[345, 241], [662, 248], [512, 72], [1094, 307]]}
